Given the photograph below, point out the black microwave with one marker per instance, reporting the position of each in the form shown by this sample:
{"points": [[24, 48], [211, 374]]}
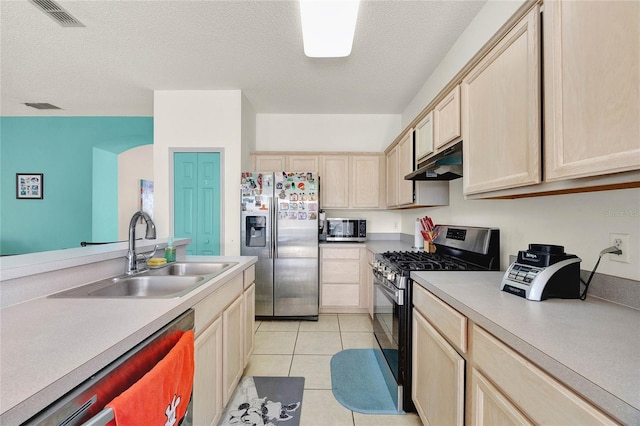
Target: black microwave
{"points": [[341, 229]]}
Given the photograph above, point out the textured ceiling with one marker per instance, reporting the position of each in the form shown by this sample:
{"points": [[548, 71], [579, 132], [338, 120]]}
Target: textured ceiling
{"points": [[128, 49]]}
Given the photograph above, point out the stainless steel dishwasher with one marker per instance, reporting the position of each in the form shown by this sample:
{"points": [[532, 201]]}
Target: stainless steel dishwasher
{"points": [[85, 405]]}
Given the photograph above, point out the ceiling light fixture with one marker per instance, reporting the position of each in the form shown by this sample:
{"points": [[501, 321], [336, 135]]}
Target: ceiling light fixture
{"points": [[328, 27]]}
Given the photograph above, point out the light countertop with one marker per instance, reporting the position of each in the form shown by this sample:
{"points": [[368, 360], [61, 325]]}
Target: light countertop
{"points": [[51, 345], [380, 246], [341, 244], [593, 346]]}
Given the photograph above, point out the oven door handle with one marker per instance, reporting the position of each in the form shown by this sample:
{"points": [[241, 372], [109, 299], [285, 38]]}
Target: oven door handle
{"points": [[394, 296]]}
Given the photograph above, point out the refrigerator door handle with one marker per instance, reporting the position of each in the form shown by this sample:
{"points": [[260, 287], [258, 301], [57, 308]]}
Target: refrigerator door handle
{"points": [[274, 234]]}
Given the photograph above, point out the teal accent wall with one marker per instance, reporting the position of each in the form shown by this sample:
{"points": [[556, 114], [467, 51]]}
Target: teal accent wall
{"points": [[63, 149], [104, 196]]}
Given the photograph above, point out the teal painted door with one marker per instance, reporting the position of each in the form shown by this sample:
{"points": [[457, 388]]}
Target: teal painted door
{"points": [[196, 189], [209, 210]]}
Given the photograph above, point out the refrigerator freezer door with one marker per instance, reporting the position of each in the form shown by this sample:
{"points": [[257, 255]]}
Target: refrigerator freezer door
{"points": [[256, 234], [251, 245]]}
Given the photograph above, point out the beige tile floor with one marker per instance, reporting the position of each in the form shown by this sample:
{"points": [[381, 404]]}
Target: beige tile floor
{"points": [[305, 348]]}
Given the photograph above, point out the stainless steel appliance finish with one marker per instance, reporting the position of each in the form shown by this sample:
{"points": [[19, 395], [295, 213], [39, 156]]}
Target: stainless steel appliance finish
{"points": [[280, 226], [389, 321], [85, 404], [346, 229], [445, 166], [458, 248]]}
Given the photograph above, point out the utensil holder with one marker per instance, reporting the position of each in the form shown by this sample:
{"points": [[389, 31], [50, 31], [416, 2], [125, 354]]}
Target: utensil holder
{"points": [[429, 247]]}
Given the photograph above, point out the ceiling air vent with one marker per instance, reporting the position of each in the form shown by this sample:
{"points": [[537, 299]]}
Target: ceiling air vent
{"points": [[41, 105], [57, 13]]}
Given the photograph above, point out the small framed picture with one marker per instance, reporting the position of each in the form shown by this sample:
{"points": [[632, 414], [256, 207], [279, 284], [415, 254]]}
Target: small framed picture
{"points": [[29, 186]]}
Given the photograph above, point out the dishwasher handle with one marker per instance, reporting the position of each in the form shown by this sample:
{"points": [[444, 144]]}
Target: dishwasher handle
{"points": [[101, 419]]}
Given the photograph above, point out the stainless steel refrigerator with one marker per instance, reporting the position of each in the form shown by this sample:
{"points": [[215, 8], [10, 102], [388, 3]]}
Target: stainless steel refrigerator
{"points": [[280, 225]]}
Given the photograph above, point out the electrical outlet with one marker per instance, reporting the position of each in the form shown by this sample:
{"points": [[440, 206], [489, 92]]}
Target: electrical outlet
{"points": [[620, 241], [395, 225]]}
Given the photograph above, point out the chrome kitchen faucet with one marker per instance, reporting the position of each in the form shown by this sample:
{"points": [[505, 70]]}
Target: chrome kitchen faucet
{"points": [[132, 257]]}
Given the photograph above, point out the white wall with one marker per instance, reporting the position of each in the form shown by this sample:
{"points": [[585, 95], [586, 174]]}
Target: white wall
{"points": [[248, 132], [579, 222], [133, 165], [326, 132], [490, 18], [198, 120]]}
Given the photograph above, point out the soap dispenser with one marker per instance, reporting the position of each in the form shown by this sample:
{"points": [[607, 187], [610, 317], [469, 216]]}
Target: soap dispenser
{"points": [[170, 251]]}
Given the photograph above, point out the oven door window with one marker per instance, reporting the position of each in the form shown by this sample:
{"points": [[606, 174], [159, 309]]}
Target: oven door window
{"points": [[386, 326]]}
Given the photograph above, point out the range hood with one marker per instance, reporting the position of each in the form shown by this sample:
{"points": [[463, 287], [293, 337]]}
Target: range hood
{"points": [[446, 165]]}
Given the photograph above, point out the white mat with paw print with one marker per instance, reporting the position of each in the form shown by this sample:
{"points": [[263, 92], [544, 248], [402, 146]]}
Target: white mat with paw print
{"points": [[265, 401]]}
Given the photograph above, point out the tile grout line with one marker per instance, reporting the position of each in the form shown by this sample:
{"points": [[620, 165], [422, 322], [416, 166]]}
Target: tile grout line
{"points": [[293, 354]]}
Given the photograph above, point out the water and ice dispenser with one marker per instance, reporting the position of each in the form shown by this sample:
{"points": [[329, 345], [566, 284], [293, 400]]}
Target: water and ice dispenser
{"points": [[256, 235]]}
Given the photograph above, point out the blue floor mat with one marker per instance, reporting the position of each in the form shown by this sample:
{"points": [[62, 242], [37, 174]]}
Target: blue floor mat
{"points": [[357, 382]]}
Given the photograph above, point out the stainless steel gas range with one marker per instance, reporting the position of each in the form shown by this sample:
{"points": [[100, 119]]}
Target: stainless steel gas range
{"points": [[458, 248]]}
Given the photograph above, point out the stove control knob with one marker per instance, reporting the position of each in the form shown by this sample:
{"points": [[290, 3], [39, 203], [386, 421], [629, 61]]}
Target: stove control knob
{"points": [[391, 276]]}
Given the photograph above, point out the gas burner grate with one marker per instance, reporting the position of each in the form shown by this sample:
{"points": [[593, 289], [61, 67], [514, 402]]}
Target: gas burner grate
{"points": [[423, 261]]}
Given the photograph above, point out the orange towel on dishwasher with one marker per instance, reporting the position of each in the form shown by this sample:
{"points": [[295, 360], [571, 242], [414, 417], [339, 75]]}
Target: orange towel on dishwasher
{"points": [[161, 396]]}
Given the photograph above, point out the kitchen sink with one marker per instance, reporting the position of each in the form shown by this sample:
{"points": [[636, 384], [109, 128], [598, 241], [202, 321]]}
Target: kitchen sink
{"points": [[192, 268], [162, 286], [170, 281]]}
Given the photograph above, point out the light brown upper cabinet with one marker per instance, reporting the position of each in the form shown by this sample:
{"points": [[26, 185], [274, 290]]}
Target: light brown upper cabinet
{"points": [[400, 164], [392, 177], [424, 137], [446, 120], [334, 181], [347, 181], [353, 181], [501, 112], [302, 163], [366, 190], [591, 88], [405, 166], [268, 163], [283, 162]]}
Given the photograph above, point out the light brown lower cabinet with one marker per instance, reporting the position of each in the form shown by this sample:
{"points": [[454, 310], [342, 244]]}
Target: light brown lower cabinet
{"points": [[437, 376], [368, 268], [534, 393], [232, 355], [504, 387], [343, 287], [490, 407], [249, 312], [222, 346], [207, 383]]}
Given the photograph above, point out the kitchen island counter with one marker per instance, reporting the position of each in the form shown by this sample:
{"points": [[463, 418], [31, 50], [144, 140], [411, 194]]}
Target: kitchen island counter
{"points": [[51, 345], [593, 346]]}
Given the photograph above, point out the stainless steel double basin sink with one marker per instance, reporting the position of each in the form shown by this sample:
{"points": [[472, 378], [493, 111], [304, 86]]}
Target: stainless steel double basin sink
{"points": [[168, 281]]}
